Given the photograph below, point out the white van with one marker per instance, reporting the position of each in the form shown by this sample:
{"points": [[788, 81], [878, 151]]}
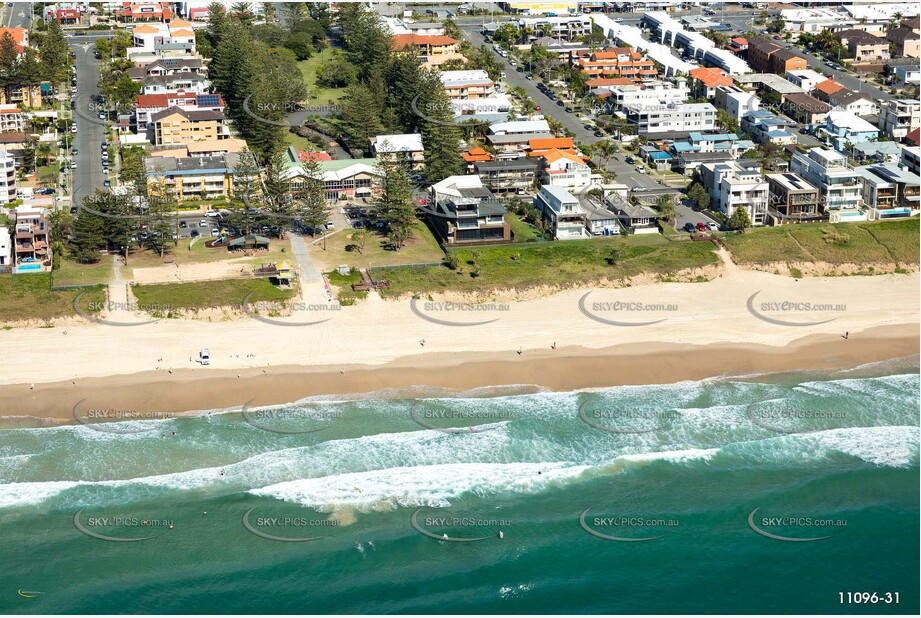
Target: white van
{"points": [[204, 356]]}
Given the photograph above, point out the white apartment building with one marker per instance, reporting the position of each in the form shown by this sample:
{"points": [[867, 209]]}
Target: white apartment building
{"points": [[911, 159], [6, 249], [680, 118], [624, 97], [7, 178], [12, 119], [465, 85], [564, 212], [897, 118], [732, 186], [736, 101], [561, 27], [841, 189], [807, 79]]}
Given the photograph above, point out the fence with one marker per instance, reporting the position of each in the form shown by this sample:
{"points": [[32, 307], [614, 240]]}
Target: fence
{"points": [[398, 266]]}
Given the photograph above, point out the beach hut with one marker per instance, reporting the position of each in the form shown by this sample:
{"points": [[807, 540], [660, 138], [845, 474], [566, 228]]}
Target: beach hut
{"points": [[283, 272]]}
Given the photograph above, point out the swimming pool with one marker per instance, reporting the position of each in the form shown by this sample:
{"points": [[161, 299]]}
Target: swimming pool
{"points": [[29, 267]]}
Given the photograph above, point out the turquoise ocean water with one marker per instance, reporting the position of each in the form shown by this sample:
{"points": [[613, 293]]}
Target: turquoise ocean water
{"points": [[831, 456]]}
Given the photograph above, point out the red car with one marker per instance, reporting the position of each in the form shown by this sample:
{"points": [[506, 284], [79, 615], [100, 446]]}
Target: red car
{"points": [[537, 107], [701, 227]]}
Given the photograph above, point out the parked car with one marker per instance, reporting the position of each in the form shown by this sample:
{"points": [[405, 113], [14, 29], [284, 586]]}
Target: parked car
{"points": [[212, 213], [701, 227], [73, 165], [537, 108], [73, 151], [559, 103], [712, 226], [203, 223], [73, 210], [569, 110], [183, 224], [690, 227], [598, 134], [106, 183], [204, 356], [215, 231]]}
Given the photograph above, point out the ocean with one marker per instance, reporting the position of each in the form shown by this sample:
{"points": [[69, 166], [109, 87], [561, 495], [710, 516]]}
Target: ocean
{"points": [[784, 493]]}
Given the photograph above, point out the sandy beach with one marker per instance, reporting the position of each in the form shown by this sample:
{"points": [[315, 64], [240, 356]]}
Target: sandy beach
{"points": [[742, 322]]}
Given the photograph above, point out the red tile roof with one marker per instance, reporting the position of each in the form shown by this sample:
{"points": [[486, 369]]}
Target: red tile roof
{"points": [[402, 40], [829, 86], [304, 156]]}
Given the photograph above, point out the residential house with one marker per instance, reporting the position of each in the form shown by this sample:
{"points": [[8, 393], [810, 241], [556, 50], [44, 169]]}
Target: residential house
{"points": [[559, 27], [512, 145], [903, 75], [15, 145], [564, 169], [704, 81], [877, 152], [474, 155], [735, 101], [769, 85], [20, 37], [767, 127], [634, 217], [840, 187], [732, 185], [147, 105], [738, 45], [805, 109], [192, 178], [168, 66], [659, 159], [187, 81], [843, 129], [539, 147], [599, 219], [857, 103], [807, 79], [562, 211], [32, 246], [149, 36], [890, 191], [179, 126], [898, 117], [519, 127], [462, 212], [863, 46], [905, 41], [432, 51], [510, 176], [406, 148], [767, 56], [827, 88], [792, 200]]}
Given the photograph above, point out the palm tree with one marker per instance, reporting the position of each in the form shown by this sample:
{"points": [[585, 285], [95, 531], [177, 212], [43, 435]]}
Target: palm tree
{"points": [[605, 149]]}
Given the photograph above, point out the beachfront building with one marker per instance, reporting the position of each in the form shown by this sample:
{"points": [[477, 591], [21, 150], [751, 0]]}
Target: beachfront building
{"points": [[508, 177], [464, 212], [556, 26], [344, 179], [12, 119], [406, 148], [637, 218], [32, 245], [6, 250], [792, 199], [147, 37], [7, 178], [890, 191], [563, 212], [564, 169], [733, 185], [467, 85], [188, 81], [840, 187], [599, 219]]}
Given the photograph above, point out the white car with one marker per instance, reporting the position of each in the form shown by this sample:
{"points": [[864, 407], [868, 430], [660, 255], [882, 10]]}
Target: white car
{"points": [[215, 232], [212, 213], [73, 165], [73, 128]]}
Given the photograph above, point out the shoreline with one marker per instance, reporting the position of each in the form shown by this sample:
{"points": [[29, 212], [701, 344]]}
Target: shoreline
{"points": [[562, 369]]}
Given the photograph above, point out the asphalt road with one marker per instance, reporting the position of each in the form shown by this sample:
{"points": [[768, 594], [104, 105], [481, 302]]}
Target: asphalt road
{"points": [[90, 129], [625, 172], [17, 16]]}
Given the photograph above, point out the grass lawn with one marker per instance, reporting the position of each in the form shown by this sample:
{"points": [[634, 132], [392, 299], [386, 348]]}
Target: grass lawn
{"points": [[299, 142], [209, 294], [344, 283], [841, 243], [29, 297], [181, 254], [315, 94], [523, 231], [421, 248], [559, 264], [74, 273]]}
